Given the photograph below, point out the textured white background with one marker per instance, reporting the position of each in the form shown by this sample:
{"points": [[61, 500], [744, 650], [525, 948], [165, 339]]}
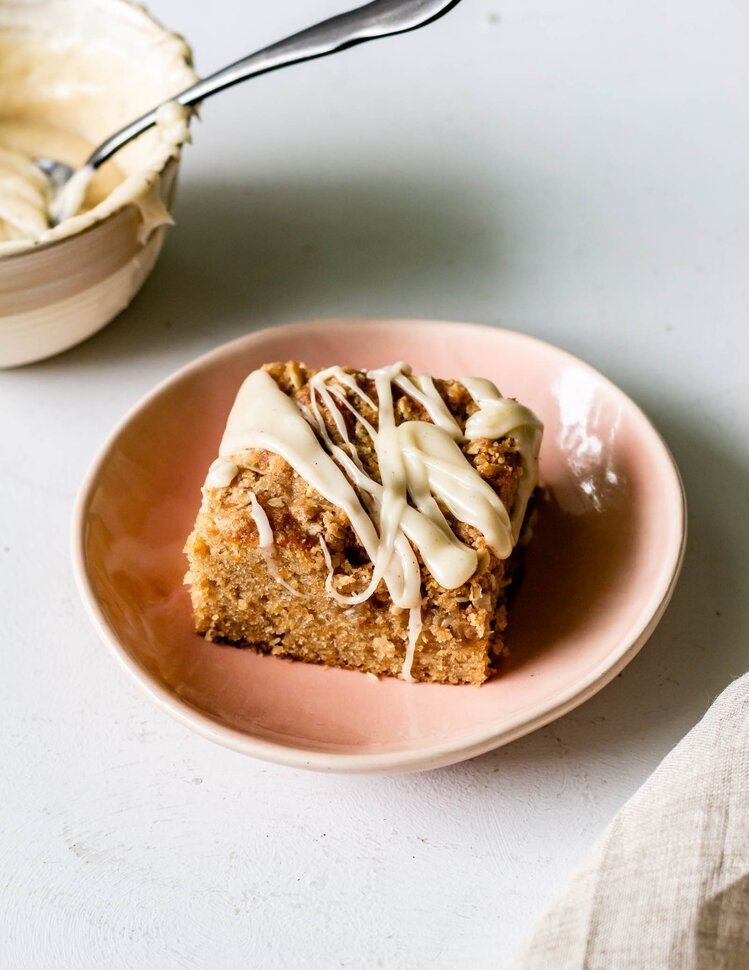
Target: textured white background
{"points": [[578, 171]]}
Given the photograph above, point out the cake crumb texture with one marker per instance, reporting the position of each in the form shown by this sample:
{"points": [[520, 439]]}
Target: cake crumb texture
{"points": [[236, 599]]}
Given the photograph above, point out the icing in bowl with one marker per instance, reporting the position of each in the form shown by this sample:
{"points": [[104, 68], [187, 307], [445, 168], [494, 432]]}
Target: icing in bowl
{"points": [[66, 82]]}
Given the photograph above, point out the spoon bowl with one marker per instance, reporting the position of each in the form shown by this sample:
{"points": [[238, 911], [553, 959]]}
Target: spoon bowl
{"points": [[57, 172]]}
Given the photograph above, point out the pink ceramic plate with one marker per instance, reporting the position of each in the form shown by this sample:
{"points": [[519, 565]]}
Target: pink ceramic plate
{"points": [[599, 574]]}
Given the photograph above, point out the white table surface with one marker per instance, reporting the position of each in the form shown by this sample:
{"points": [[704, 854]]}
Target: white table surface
{"points": [[575, 171]]}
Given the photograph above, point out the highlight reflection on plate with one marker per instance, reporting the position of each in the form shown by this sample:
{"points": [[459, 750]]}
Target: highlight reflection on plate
{"points": [[599, 572]]}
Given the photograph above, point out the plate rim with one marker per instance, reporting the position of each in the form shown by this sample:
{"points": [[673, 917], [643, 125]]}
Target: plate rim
{"points": [[421, 758]]}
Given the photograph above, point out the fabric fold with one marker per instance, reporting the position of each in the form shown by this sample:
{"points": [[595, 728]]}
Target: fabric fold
{"points": [[667, 886]]}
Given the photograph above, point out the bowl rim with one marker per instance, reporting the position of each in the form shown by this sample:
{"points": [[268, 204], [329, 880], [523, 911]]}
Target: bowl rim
{"points": [[134, 9], [420, 758]]}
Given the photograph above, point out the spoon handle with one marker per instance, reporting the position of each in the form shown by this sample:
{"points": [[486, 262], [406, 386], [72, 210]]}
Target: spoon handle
{"points": [[380, 18]]}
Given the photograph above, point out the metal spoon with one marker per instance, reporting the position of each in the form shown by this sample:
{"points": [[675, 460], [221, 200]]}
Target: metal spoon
{"points": [[380, 18]]}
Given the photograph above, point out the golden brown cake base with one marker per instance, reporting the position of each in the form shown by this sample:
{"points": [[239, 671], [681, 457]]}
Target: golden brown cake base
{"points": [[237, 600]]}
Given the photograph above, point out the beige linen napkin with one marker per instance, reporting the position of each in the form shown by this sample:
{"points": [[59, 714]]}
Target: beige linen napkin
{"points": [[667, 887]]}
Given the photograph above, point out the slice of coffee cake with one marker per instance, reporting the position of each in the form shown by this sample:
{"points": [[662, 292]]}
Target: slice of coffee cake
{"points": [[365, 519]]}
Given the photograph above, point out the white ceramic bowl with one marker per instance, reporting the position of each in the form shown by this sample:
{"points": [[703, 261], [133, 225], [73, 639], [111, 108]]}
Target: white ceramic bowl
{"points": [[107, 63]]}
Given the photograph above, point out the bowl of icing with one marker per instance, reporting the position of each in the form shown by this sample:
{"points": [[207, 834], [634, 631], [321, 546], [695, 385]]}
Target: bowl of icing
{"points": [[71, 73]]}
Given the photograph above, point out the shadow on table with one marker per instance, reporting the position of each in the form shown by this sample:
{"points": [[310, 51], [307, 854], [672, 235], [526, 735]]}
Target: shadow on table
{"points": [[701, 643], [245, 256]]}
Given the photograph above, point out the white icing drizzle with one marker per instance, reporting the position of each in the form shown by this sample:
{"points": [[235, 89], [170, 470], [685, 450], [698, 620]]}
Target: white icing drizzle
{"points": [[419, 460], [422, 390], [348, 601], [222, 473], [499, 416], [267, 544]]}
